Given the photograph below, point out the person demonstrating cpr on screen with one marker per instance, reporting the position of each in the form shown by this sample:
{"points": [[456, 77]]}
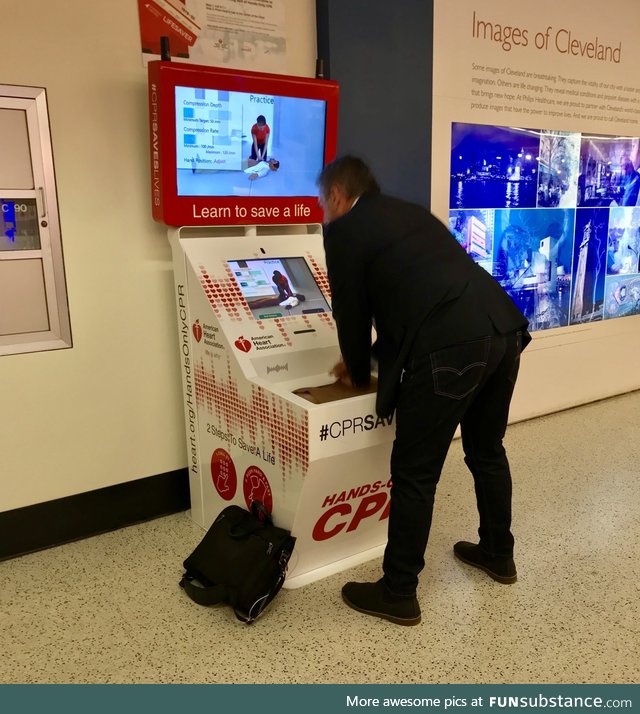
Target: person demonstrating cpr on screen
{"points": [[260, 132], [448, 350]]}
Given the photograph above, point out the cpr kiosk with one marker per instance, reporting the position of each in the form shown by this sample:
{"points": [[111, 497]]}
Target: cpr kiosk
{"points": [[263, 419]]}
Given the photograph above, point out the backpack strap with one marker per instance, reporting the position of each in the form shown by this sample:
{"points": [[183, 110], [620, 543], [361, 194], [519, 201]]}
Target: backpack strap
{"points": [[253, 521], [259, 511], [210, 595]]}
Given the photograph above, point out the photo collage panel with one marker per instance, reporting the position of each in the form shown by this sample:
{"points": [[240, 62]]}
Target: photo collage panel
{"points": [[553, 216]]}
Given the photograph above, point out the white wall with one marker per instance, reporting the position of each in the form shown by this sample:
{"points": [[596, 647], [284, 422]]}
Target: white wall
{"points": [[108, 410]]}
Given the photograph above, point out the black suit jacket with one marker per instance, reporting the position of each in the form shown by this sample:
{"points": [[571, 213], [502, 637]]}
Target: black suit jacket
{"points": [[394, 265]]}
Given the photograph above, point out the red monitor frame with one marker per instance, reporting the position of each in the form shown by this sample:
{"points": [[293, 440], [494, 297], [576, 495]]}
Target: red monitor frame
{"points": [[174, 210]]}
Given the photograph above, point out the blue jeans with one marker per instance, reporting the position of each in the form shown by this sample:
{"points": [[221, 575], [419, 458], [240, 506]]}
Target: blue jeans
{"points": [[471, 385]]}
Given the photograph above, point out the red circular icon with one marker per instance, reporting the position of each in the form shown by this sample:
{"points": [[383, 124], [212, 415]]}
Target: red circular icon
{"points": [[223, 474], [255, 487]]}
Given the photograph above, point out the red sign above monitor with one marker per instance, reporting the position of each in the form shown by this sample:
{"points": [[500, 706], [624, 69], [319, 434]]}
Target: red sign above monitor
{"points": [[231, 147]]}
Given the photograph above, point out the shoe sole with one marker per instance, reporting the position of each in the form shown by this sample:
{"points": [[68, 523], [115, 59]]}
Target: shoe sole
{"points": [[396, 620], [504, 579]]}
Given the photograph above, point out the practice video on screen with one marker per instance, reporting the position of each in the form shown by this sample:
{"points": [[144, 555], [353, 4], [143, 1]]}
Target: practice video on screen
{"points": [[553, 216], [278, 287], [239, 144]]}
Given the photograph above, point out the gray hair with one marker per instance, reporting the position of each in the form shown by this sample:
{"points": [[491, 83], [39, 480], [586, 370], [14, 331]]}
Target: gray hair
{"points": [[350, 173]]}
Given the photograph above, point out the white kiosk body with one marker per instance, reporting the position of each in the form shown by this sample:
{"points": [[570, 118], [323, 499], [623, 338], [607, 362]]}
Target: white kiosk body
{"points": [[322, 469]]}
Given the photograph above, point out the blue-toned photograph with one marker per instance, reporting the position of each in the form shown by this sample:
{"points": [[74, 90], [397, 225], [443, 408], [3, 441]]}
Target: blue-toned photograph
{"points": [[533, 262], [493, 167], [473, 229], [623, 245], [609, 171], [622, 296], [558, 169], [589, 265], [554, 216]]}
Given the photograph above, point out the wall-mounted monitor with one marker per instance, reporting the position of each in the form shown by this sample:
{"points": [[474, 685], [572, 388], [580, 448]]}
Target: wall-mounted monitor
{"points": [[278, 287], [233, 147]]}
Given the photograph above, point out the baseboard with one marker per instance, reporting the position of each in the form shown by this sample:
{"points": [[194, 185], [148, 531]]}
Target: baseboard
{"points": [[44, 525]]}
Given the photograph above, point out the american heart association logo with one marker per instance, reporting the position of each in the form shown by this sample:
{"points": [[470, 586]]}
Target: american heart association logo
{"points": [[243, 344], [197, 330]]}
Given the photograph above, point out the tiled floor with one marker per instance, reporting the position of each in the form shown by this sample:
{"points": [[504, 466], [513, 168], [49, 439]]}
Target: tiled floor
{"points": [[108, 609]]}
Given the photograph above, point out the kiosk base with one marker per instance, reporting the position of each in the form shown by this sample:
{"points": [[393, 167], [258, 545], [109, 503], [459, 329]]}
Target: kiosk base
{"points": [[297, 581]]}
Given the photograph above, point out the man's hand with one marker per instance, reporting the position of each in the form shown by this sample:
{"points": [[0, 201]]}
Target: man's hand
{"points": [[341, 373]]}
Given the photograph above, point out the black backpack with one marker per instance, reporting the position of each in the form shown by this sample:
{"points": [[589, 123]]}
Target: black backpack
{"points": [[242, 560]]}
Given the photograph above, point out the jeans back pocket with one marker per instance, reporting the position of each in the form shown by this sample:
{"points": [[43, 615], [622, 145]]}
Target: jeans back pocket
{"points": [[459, 369]]}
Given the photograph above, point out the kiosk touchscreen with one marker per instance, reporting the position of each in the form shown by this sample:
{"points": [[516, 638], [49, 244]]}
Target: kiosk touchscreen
{"points": [[257, 337], [277, 287]]}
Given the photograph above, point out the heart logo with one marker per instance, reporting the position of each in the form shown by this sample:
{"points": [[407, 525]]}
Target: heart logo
{"points": [[243, 344], [197, 330]]}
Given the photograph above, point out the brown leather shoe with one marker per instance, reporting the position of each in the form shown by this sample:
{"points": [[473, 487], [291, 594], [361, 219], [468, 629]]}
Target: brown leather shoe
{"points": [[503, 570]]}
